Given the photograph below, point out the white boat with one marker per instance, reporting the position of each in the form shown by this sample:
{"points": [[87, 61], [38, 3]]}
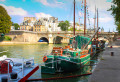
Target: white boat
{"points": [[19, 69]]}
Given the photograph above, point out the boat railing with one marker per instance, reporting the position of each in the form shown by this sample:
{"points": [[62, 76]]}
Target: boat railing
{"points": [[21, 67], [9, 77], [49, 62], [30, 60], [24, 64], [59, 59]]}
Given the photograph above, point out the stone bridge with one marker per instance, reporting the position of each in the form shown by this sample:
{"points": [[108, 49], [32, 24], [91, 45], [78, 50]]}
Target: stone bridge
{"points": [[54, 37]]}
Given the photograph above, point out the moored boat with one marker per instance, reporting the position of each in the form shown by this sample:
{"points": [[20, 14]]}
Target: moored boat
{"points": [[16, 70], [71, 57], [67, 59]]}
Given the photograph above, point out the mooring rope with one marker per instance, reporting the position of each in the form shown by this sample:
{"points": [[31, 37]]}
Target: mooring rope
{"points": [[56, 78]]}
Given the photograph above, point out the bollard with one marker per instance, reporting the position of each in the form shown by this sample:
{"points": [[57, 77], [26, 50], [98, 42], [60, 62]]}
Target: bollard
{"points": [[110, 46], [112, 53]]}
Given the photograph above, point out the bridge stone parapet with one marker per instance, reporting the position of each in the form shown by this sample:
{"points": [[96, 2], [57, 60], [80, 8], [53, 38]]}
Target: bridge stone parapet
{"points": [[30, 36]]}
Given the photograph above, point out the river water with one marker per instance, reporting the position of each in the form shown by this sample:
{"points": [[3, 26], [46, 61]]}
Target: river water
{"points": [[38, 51]]}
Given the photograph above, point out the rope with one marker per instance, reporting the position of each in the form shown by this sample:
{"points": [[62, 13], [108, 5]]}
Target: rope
{"points": [[90, 65], [56, 78]]}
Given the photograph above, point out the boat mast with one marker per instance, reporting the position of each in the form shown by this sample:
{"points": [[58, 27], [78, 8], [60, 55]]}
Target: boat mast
{"points": [[95, 19], [84, 17], [74, 19], [97, 23]]}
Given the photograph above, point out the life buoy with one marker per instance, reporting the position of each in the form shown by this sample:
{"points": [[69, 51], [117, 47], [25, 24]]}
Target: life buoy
{"points": [[76, 54], [44, 58]]}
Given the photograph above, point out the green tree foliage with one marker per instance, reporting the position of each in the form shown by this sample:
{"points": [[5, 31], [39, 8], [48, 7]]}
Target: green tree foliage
{"points": [[71, 29], [5, 38], [64, 25], [5, 21], [16, 25], [77, 24], [115, 8]]}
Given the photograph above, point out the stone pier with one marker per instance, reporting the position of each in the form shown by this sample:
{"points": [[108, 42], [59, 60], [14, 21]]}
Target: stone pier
{"points": [[108, 69]]}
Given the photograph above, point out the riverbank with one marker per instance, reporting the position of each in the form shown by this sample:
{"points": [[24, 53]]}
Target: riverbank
{"points": [[108, 68], [20, 43]]}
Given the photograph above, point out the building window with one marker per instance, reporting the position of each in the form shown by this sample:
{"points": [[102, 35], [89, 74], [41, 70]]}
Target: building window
{"points": [[39, 26], [35, 29], [25, 28], [39, 29], [35, 26]]}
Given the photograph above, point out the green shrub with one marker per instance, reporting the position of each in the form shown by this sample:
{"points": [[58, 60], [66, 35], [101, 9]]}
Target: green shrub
{"points": [[1, 38], [7, 38]]}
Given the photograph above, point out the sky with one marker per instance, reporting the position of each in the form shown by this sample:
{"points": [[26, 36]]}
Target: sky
{"points": [[62, 9]]}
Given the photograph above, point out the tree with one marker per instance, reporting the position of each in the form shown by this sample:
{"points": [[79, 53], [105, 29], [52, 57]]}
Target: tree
{"points": [[5, 21], [64, 25], [77, 24], [115, 8], [71, 29], [16, 25]]}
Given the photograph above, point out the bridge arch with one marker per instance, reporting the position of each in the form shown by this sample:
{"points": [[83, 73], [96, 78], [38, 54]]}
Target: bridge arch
{"points": [[104, 38], [43, 39], [57, 39]]}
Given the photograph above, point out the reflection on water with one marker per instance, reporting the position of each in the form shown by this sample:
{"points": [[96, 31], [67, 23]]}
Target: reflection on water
{"points": [[28, 51], [38, 51]]}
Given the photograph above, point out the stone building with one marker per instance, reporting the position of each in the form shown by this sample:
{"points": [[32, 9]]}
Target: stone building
{"points": [[102, 30], [12, 28], [28, 23], [39, 26], [30, 18], [42, 24], [90, 30], [51, 23], [77, 26]]}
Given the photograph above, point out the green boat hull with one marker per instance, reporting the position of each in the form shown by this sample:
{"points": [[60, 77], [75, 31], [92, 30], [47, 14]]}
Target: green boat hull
{"points": [[68, 66], [63, 64]]}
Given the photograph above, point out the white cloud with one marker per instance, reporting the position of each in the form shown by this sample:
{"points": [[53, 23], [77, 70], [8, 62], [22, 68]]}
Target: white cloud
{"points": [[39, 15], [54, 3], [100, 4], [14, 11], [105, 19], [2, 0]]}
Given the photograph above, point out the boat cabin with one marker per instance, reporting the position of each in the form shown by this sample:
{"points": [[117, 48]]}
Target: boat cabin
{"points": [[57, 51]]}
